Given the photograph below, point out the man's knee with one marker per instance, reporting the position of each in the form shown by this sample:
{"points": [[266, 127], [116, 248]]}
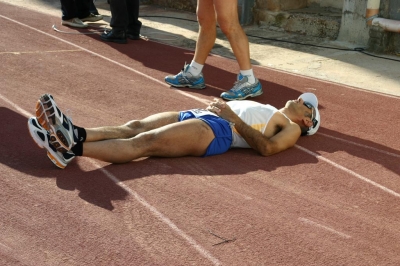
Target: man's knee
{"points": [[206, 20], [228, 26], [134, 124]]}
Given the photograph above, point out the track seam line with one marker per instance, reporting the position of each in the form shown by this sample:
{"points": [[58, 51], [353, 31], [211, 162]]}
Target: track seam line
{"points": [[138, 198], [349, 171]]}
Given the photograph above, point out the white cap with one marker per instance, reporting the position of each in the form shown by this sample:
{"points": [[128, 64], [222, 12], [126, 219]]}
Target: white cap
{"points": [[312, 99]]}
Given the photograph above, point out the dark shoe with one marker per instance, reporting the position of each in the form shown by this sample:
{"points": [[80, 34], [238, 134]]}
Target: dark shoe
{"points": [[133, 36], [113, 35]]}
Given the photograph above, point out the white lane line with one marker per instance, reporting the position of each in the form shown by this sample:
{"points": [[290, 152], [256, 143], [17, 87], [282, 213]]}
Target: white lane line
{"points": [[6, 247], [361, 145], [140, 199], [158, 214], [349, 171], [307, 221], [110, 60]]}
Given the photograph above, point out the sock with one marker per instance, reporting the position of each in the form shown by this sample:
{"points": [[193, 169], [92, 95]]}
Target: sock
{"points": [[78, 149], [79, 134], [249, 74], [195, 68]]}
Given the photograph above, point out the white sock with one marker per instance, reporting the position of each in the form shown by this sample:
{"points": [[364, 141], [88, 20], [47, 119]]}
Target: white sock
{"points": [[249, 74], [195, 68]]}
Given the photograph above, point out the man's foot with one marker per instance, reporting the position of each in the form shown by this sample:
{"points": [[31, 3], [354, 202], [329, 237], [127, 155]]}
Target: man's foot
{"points": [[58, 124], [117, 36], [42, 138], [243, 89], [75, 22], [186, 79], [92, 18]]}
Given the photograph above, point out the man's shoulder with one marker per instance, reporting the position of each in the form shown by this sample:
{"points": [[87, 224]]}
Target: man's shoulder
{"points": [[284, 123]]}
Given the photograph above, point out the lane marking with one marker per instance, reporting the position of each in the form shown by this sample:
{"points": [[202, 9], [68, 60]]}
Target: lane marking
{"points": [[41, 52], [349, 171], [361, 145], [109, 60], [158, 214], [6, 247], [140, 199], [307, 221]]}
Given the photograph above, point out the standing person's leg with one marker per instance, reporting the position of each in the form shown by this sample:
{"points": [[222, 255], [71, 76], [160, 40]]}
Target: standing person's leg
{"points": [[207, 33], [68, 9], [83, 11], [191, 75], [93, 8], [134, 25], [228, 20], [119, 22], [82, 8], [70, 15]]}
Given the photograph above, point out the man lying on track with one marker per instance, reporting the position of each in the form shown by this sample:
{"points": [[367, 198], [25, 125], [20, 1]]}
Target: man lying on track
{"points": [[197, 132]]}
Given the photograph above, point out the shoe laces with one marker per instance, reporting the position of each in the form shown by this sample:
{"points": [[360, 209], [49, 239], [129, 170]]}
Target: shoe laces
{"points": [[239, 84]]}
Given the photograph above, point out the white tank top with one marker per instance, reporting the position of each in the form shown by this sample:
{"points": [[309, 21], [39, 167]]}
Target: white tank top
{"points": [[254, 114]]}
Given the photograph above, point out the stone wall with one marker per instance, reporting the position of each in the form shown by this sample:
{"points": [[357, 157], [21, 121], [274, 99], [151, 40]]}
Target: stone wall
{"points": [[381, 41]]}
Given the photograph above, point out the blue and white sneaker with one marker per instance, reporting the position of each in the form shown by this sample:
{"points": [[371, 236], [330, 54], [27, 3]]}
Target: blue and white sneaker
{"points": [[243, 89], [58, 124], [186, 79], [42, 138]]}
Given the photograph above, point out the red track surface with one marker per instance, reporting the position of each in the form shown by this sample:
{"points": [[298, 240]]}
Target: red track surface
{"points": [[332, 200]]}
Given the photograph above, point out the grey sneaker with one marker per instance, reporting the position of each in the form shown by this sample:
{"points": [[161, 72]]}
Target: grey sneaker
{"points": [[75, 22], [42, 138], [92, 18], [186, 79], [243, 89], [56, 122]]}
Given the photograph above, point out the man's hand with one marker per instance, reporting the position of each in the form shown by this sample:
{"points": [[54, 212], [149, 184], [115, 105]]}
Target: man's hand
{"points": [[220, 108]]}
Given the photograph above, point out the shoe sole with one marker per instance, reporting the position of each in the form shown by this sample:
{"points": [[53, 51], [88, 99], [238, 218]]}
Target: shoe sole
{"points": [[116, 41], [55, 161], [197, 87], [245, 97], [52, 158], [46, 116], [75, 25]]}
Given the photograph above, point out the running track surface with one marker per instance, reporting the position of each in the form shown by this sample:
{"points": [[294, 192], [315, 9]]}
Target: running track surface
{"points": [[331, 200]]}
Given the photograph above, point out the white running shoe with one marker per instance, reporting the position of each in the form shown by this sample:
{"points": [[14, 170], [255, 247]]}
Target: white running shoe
{"points": [[75, 22], [58, 124], [42, 139]]}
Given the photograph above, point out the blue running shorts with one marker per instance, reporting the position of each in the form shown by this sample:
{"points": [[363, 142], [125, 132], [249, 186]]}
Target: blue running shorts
{"points": [[221, 128]]}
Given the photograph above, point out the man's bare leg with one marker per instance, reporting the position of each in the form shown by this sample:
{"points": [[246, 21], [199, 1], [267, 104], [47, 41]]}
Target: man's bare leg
{"points": [[228, 20], [131, 128], [186, 138], [207, 30]]}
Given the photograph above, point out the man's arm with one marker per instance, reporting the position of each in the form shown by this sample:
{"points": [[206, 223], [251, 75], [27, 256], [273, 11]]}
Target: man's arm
{"points": [[281, 141], [284, 139]]}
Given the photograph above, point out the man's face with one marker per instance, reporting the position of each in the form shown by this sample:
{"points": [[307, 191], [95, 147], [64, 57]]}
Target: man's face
{"points": [[301, 108], [297, 106]]}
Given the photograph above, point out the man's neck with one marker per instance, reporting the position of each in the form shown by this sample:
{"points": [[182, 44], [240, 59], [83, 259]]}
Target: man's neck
{"points": [[286, 112]]}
